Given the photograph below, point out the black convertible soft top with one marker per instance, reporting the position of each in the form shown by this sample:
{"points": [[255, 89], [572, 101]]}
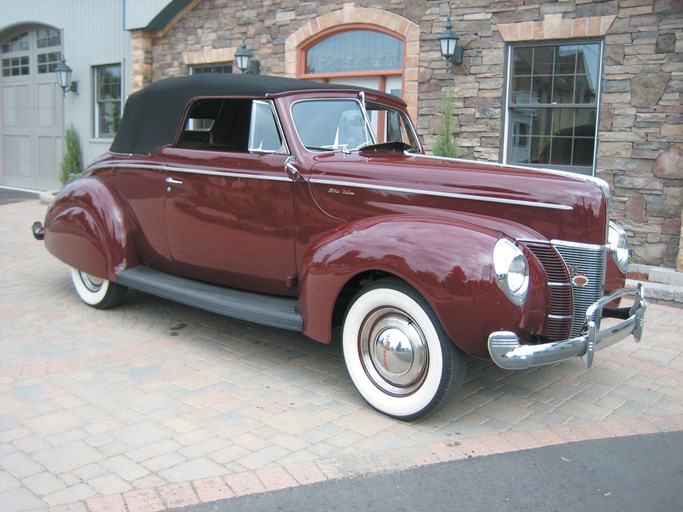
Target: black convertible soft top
{"points": [[150, 119]]}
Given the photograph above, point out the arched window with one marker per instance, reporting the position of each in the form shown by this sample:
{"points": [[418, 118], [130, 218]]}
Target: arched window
{"points": [[356, 55], [355, 50]]}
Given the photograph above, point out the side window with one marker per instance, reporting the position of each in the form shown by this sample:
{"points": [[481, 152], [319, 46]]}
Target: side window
{"points": [[264, 136], [217, 124], [224, 124], [391, 125]]}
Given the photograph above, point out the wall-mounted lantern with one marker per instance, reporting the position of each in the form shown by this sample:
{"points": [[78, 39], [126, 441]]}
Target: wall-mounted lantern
{"points": [[450, 45], [245, 62], [63, 73]]}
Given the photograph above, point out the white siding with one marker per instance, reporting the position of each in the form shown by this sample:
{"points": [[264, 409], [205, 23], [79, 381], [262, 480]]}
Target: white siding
{"points": [[93, 33]]}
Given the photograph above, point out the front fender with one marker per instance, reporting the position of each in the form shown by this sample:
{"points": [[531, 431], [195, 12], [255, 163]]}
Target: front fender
{"points": [[86, 228], [448, 260]]}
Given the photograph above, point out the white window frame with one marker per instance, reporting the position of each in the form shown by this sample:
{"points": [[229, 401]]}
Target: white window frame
{"points": [[97, 103], [507, 128]]}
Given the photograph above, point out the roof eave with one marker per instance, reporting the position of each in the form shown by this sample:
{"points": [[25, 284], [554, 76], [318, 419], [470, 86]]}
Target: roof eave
{"points": [[168, 16]]}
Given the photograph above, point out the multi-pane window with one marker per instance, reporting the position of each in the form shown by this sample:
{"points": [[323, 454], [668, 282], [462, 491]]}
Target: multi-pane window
{"points": [[553, 105], [47, 62], [48, 38], [107, 100], [16, 44], [15, 66], [39, 49], [211, 68], [14, 63]]}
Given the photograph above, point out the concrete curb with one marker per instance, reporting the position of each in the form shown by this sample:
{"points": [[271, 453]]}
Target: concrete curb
{"points": [[662, 284], [48, 197]]}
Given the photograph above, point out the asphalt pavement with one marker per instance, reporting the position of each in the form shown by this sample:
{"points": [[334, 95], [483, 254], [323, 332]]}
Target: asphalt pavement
{"points": [[154, 406], [636, 473], [9, 195]]}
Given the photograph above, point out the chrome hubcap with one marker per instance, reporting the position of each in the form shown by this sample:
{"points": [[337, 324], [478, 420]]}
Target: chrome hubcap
{"points": [[394, 351], [92, 283]]}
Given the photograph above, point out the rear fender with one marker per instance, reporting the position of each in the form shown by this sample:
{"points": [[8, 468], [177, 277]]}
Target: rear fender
{"points": [[87, 229], [448, 260]]}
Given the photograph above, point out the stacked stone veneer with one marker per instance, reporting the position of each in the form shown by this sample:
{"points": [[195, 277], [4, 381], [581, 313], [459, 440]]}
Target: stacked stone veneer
{"points": [[641, 126], [640, 149]]}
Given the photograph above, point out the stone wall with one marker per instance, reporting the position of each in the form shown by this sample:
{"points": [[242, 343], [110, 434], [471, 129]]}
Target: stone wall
{"points": [[640, 150], [641, 130]]}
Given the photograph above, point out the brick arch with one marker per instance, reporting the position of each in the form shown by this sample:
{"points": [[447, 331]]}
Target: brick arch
{"points": [[350, 14]]}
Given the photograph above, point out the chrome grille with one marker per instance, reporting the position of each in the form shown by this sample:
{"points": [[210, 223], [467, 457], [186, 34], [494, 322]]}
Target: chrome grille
{"points": [[559, 319], [563, 261], [589, 261]]}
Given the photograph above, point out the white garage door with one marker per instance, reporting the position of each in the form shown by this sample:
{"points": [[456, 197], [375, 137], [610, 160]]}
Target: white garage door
{"points": [[30, 109]]}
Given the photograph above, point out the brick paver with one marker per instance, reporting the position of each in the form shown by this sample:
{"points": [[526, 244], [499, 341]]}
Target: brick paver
{"points": [[155, 405]]}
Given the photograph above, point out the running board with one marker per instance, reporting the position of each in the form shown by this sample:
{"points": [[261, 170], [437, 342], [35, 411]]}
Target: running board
{"points": [[262, 309]]}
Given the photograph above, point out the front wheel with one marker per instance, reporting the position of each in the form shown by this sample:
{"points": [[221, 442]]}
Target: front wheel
{"points": [[97, 292], [397, 352]]}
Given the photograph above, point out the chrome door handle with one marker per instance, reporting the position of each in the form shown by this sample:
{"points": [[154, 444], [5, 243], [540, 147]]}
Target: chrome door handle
{"points": [[173, 181]]}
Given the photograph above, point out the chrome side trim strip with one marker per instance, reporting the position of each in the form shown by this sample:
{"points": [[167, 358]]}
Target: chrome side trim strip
{"points": [[189, 170], [405, 190]]}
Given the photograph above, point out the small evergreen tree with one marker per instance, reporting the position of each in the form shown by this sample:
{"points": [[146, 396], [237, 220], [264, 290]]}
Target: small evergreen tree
{"points": [[445, 144], [72, 161]]}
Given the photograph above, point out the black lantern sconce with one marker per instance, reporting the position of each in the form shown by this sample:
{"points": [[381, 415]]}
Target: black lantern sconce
{"points": [[450, 45], [245, 62], [63, 73]]}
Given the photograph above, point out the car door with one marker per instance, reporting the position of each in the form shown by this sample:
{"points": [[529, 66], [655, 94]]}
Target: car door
{"points": [[229, 209], [140, 183]]}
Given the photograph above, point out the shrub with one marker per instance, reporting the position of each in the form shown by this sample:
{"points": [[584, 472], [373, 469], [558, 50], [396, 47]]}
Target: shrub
{"points": [[445, 144], [72, 161]]}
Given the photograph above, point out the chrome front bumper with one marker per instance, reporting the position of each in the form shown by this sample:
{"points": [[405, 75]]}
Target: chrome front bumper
{"points": [[508, 353]]}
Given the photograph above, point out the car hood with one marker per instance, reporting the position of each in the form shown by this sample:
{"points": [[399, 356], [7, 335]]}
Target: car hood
{"points": [[557, 205]]}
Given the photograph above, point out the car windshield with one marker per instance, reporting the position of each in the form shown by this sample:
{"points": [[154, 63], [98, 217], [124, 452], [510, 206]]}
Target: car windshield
{"points": [[331, 125]]}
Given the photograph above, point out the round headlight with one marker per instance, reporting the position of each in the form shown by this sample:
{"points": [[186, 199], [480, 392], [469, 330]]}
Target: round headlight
{"points": [[618, 245], [512, 270]]}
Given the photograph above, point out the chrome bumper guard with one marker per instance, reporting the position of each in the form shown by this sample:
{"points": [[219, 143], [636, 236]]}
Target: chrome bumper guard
{"points": [[508, 353]]}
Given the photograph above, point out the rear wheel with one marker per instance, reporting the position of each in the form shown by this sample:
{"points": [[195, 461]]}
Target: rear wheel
{"points": [[397, 352], [97, 292]]}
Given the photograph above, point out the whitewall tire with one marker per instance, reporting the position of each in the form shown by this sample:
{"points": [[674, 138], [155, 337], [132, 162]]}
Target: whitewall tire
{"points": [[397, 353], [97, 292]]}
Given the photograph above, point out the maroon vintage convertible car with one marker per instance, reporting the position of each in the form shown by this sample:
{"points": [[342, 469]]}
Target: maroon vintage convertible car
{"points": [[308, 206]]}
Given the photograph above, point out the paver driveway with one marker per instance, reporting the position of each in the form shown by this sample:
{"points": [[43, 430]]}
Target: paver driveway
{"points": [[155, 405]]}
